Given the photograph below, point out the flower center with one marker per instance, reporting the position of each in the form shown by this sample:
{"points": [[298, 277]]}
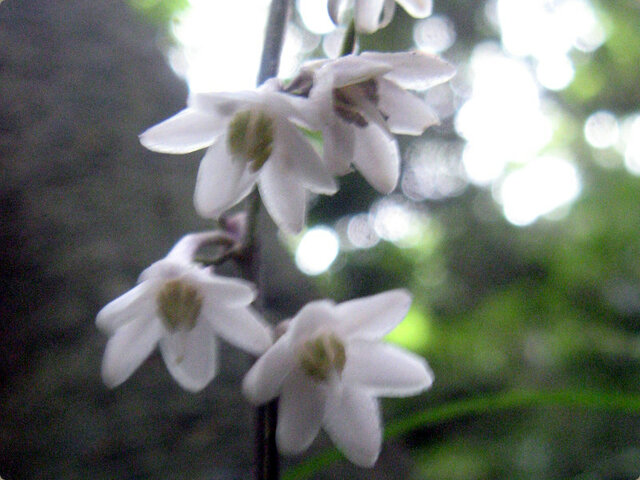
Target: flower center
{"points": [[347, 101], [319, 356], [251, 137], [179, 305]]}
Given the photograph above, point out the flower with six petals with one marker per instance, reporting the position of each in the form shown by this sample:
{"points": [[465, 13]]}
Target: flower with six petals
{"points": [[360, 101], [328, 369], [182, 308], [253, 139]]}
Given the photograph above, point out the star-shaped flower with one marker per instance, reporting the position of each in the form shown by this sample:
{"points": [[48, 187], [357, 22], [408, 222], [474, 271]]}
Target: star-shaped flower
{"points": [[253, 139], [361, 101], [371, 15], [329, 367], [182, 308]]}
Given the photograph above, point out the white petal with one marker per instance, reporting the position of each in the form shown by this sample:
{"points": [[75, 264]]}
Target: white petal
{"points": [[406, 113], [222, 181], [217, 290], [417, 8], [284, 198], [414, 70], [294, 153], [129, 346], [367, 15], [241, 327], [187, 131], [352, 420], [349, 70], [311, 318], [371, 318], [137, 303], [387, 13], [191, 357], [338, 140], [386, 370], [300, 411], [334, 7], [263, 381], [377, 158], [224, 104]]}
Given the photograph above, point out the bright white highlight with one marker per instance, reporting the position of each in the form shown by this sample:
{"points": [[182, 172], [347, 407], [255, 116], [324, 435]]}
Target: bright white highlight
{"points": [[394, 220], [632, 150], [601, 130], [543, 28], [317, 250], [538, 188], [502, 121], [315, 16], [360, 231], [555, 73], [216, 55], [434, 34]]}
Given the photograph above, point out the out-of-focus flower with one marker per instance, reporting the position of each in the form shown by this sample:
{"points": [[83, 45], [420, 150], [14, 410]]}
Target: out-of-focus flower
{"points": [[252, 138], [328, 369], [359, 102], [371, 15], [182, 308]]}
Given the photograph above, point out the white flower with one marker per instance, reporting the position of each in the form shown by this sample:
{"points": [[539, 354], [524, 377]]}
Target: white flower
{"points": [[371, 15], [360, 101], [182, 308], [329, 367], [252, 139]]}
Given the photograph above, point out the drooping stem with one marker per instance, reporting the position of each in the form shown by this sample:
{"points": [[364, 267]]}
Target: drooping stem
{"points": [[267, 462]]}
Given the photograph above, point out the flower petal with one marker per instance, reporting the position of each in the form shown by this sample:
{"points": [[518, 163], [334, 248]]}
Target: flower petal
{"points": [[137, 303], [338, 140], [284, 198], [264, 380], [312, 317], [349, 70], [371, 318], [129, 346], [406, 114], [191, 357], [218, 290], [334, 7], [222, 181], [417, 8], [414, 70], [294, 153], [187, 131], [300, 411], [386, 370], [241, 327], [377, 158], [367, 15], [352, 420]]}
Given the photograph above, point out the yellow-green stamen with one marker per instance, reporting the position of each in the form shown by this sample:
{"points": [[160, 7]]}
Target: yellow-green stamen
{"points": [[319, 356], [179, 305], [250, 137]]}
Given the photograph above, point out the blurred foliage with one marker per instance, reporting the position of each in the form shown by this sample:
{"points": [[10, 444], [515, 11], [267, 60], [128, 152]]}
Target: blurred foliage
{"points": [[553, 305]]}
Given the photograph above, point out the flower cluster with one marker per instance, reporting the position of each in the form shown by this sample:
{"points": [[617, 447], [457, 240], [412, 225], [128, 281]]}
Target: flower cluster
{"points": [[257, 137], [328, 365]]}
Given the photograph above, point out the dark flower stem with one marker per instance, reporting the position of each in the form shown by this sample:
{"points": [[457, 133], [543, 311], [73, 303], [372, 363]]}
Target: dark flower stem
{"points": [[267, 461], [349, 40]]}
